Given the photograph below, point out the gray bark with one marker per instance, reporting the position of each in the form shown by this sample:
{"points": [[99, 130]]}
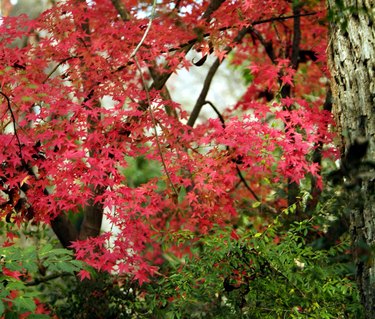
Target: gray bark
{"points": [[352, 65]]}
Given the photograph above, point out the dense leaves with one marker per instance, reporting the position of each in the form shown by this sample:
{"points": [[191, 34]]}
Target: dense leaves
{"points": [[88, 129]]}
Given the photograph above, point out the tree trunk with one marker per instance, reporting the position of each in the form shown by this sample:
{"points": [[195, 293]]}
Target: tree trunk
{"points": [[352, 65]]}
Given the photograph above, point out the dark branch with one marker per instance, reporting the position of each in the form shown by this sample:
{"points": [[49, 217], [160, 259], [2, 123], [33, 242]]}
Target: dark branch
{"points": [[38, 281], [14, 125], [296, 36], [202, 96], [212, 7], [217, 112], [210, 75], [282, 18], [239, 173], [64, 230], [121, 10]]}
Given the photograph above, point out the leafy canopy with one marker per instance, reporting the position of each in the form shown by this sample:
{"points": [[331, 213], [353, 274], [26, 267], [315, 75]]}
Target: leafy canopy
{"points": [[85, 108]]}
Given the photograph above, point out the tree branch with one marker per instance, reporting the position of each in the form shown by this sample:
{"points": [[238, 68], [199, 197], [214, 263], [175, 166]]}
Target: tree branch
{"points": [[38, 281], [239, 173], [14, 125], [296, 35], [121, 10], [210, 75], [64, 230], [212, 7], [293, 187]]}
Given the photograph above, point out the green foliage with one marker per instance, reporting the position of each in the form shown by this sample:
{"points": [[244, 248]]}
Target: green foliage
{"points": [[250, 272], [101, 297], [271, 274], [140, 170], [26, 269]]}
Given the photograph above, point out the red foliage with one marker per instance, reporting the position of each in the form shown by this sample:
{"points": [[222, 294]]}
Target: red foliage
{"points": [[63, 148]]}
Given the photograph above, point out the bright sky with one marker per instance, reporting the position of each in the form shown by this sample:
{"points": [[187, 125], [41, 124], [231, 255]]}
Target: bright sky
{"points": [[226, 88]]}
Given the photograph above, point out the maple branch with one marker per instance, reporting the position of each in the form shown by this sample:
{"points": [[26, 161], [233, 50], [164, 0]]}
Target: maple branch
{"points": [[146, 31], [202, 96], [14, 124], [266, 44], [243, 180], [212, 7], [154, 125], [221, 118], [282, 18], [239, 173], [296, 35], [57, 66], [133, 55], [119, 6], [258, 22], [41, 280], [64, 230], [210, 75], [158, 84]]}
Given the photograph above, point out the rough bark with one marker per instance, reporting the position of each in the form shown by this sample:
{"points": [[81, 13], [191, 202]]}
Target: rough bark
{"points": [[352, 65]]}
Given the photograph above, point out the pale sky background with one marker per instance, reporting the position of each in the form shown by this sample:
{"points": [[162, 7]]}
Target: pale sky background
{"points": [[226, 89]]}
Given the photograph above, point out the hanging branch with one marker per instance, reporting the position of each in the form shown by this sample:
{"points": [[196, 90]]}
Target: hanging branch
{"points": [[119, 5], [45, 279], [146, 31], [212, 7], [133, 56], [239, 173], [210, 75], [14, 125], [58, 65], [154, 125]]}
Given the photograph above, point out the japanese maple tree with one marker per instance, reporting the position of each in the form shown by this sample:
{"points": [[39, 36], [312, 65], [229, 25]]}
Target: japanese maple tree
{"points": [[64, 147]]}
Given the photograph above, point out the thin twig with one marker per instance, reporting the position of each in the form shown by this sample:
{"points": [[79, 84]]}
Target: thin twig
{"points": [[274, 19], [146, 31], [57, 66], [281, 18], [14, 124], [133, 55], [38, 281], [221, 118], [154, 124], [210, 75], [239, 173]]}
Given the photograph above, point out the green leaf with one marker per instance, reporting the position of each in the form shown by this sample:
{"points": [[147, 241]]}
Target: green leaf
{"points": [[2, 308], [67, 267], [24, 303], [61, 251], [45, 249], [77, 263], [38, 316], [256, 204], [15, 285], [181, 194]]}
